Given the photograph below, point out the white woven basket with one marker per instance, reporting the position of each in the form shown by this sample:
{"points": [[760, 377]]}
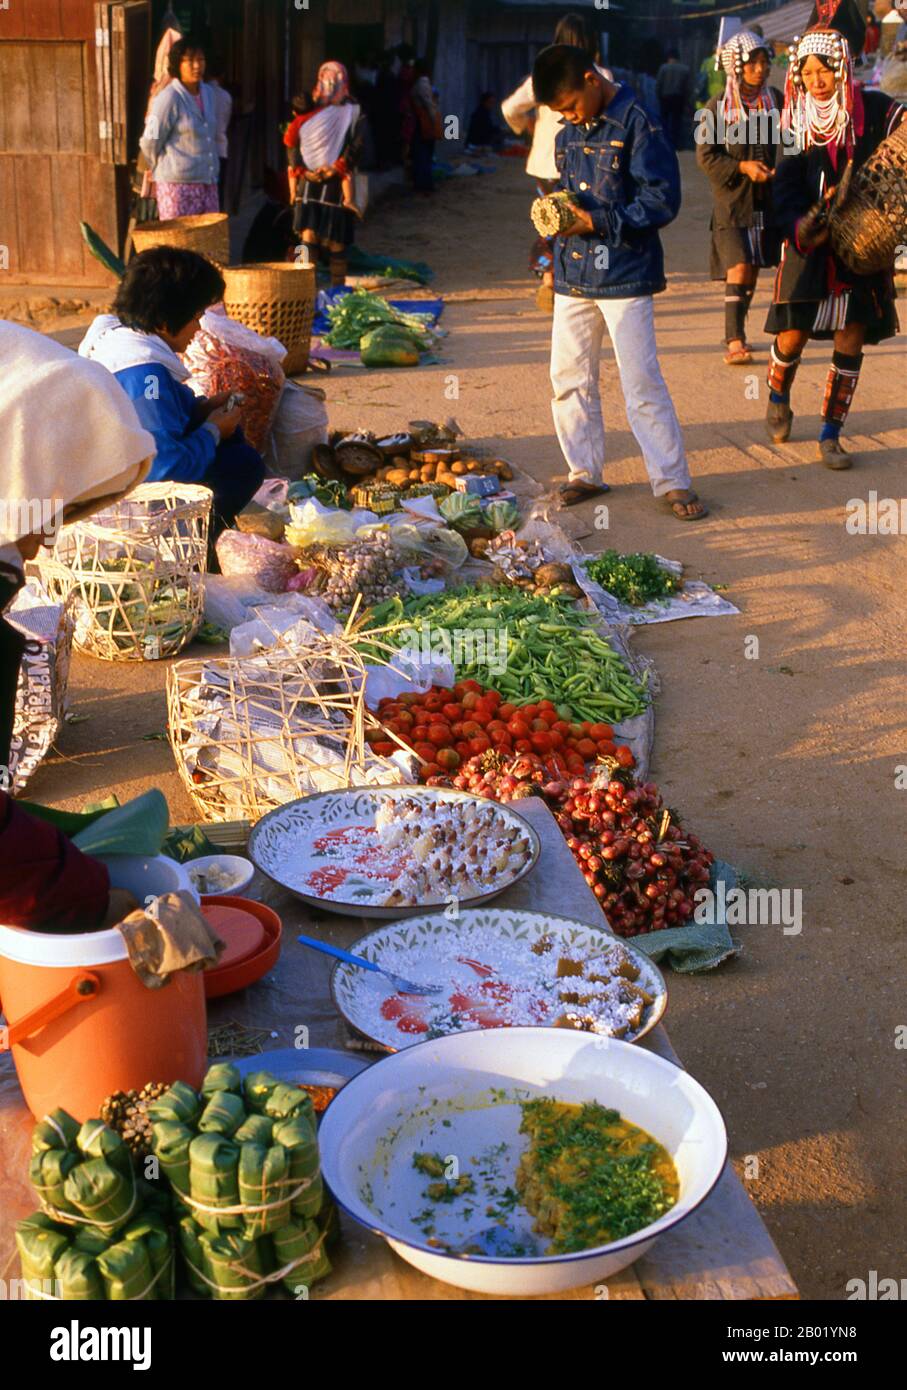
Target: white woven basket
{"points": [[138, 570]]}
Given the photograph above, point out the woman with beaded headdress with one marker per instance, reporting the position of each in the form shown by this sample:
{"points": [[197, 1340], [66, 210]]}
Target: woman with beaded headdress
{"points": [[833, 128], [736, 147]]}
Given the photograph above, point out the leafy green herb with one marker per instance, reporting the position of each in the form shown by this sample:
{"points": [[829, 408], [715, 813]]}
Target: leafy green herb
{"points": [[635, 578]]}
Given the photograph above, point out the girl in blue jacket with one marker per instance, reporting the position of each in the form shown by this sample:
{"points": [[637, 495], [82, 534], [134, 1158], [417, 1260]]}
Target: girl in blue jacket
{"points": [[155, 316]]}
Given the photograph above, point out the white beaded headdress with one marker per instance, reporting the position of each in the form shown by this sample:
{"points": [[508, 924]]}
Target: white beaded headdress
{"points": [[815, 122]]}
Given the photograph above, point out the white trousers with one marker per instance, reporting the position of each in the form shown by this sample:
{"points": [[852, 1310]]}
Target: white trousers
{"points": [[576, 343]]}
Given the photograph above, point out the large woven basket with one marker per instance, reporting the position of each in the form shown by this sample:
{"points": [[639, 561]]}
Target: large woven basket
{"points": [[277, 299], [208, 233], [138, 572], [867, 231]]}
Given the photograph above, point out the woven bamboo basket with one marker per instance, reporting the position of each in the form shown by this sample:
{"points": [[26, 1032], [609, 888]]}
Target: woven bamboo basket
{"points": [[277, 299], [868, 230], [249, 734], [138, 571], [208, 233]]}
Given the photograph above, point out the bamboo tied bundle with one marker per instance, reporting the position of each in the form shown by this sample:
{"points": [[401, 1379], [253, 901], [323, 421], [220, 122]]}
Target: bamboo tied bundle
{"points": [[552, 214]]}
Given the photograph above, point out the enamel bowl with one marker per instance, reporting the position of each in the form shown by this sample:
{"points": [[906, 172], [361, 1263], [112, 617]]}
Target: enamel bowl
{"points": [[458, 1096]]}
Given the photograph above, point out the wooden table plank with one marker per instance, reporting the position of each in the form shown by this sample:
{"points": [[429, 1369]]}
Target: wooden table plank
{"points": [[723, 1251]]}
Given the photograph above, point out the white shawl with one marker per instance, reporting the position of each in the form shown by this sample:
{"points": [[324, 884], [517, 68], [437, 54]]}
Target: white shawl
{"points": [[322, 137], [68, 431]]}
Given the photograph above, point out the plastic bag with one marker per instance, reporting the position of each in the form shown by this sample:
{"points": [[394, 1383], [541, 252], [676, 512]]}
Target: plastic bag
{"points": [[227, 356], [426, 544], [415, 672], [266, 563], [300, 423], [43, 676], [230, 601], [315, 524]]}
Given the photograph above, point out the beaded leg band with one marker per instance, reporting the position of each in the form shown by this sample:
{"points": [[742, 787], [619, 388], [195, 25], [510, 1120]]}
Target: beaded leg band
{"points": [[781, 372], [839, 391]]}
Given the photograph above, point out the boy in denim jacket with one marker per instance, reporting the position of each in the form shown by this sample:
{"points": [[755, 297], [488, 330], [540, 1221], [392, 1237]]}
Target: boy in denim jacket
{"points": [[608, 264]]}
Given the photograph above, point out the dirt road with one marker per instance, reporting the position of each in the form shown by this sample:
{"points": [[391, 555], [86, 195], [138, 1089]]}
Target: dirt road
{"points": [[785, 764]]}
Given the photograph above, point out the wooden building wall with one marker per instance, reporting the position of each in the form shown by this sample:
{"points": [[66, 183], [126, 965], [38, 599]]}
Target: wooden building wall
{"points": [[51, 173]]}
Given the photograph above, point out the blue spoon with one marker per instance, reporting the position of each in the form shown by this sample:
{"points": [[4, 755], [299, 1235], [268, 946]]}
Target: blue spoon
{"points": [[404, 986]]}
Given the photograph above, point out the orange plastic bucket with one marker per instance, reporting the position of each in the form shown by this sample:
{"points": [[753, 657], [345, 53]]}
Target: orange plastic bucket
{"points": [[80, 1024]]}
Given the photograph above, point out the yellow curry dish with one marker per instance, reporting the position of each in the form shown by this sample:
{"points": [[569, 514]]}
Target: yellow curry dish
{"points": [[590, 1177]]}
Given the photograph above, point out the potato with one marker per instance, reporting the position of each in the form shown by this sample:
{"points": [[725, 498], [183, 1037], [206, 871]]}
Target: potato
{"points": [[458, 467], [415, 475], [398, 476], [399, 461], [472, 466], [427, 472]]}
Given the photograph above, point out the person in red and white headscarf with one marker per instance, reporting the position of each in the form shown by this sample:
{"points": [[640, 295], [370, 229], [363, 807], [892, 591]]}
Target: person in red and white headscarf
{"points": [[322, 161], [833, 124], [736, 148]]}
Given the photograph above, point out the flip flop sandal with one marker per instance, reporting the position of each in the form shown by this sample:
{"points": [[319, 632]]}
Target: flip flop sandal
{"points": [[742, 357], [571, 494], [665, 505]]}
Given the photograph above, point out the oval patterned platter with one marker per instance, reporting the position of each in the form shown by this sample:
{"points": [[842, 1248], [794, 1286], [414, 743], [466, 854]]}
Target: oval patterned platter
{"points": [[324, 848], [498, 968]]}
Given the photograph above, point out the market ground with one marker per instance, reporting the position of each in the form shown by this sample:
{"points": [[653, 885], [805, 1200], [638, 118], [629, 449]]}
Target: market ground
{"points": [[784, 764]]}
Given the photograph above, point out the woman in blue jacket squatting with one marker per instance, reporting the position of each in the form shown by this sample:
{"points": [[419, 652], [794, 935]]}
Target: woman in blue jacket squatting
{"points": [[155, 316]]}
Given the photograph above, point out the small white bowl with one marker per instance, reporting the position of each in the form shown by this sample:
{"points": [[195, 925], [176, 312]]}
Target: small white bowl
{"points": [[440, 1096], [241, 872]]}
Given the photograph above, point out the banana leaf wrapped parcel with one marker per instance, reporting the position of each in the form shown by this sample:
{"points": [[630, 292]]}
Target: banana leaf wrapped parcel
{"points": [[264, 1188], [48, 1172], [58, 1130], [78, 1277], [170, 1145], [214, 1183], [40, 1242], [299, 1249], [179, 1104], [235, 1266], [299, 1138], [101, 1194], [223, 1076], [223, 1114], [255, 1129], [126, 1270]]}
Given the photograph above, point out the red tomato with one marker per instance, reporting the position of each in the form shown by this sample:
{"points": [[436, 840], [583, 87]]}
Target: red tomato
{"points": [[547, 704], [518, 727], [585, 726], [606, 748], [480, 744], [557, 740], [449, 759], [504, 744], [576, 730], [600, 731], [529, 712], [472, 728], [405, 720], [420, 733], [426, 751], [463, 748], [587, 748], [493, 696], [439, 735], [433, 703], [457, 729], [452, 713], [539, 726], [625, 756], [495, 728], [473, 686], [562, 727], [541, 742], [407, 698], [431, 770], [469, 700], [443, 693], [506, 711], [522, 745]]}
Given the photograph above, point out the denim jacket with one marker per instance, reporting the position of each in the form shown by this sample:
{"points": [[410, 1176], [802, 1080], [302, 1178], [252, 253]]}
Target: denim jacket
{"points": [[624, 172], [179, 143]]}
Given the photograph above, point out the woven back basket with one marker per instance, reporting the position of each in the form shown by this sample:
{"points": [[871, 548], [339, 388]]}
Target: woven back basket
{"points": [[277, 299], [872, 224], [208, 233], [138, 572]]}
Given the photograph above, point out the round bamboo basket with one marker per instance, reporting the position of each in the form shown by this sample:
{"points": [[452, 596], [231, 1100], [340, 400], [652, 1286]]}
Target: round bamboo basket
{"points": [[868, 230], [208, 233], [277, 299], [137, 569]]}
